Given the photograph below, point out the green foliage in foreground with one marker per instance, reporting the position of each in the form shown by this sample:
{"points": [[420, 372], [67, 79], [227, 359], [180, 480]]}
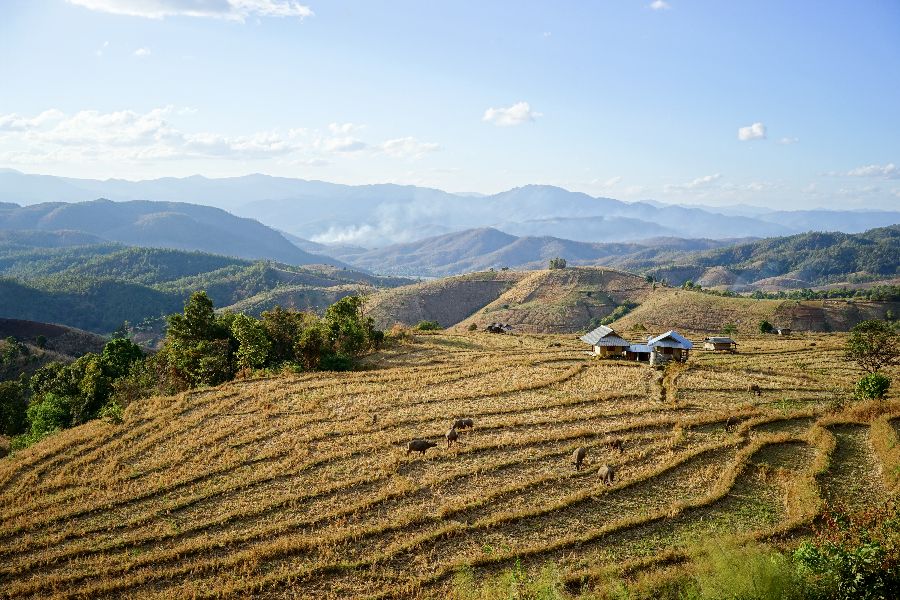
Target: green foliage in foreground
{"points": [[428, 326], [850, 556], [873, 386], [201, 348]]}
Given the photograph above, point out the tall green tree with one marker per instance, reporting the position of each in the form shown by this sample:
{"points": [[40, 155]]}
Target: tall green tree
{"points": [[253, 343], [873, 345]]}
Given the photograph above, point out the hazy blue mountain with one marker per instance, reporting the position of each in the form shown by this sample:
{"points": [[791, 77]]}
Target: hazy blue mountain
{"points": [[489, 248], [386, 214], [161, 225]]}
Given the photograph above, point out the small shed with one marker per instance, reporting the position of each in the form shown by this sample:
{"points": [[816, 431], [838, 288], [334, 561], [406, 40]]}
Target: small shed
{"points": [[639, 352], [721, 344], [606, 342], [670, 345]]}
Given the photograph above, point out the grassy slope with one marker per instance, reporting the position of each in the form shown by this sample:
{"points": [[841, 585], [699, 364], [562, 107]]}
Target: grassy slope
{"points": [[669, 308], [285, 486]]}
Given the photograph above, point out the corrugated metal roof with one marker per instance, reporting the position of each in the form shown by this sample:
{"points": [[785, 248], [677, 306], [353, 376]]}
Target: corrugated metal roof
{"points": [[639, 348], [671, 339], [603, 336], [720, 340]]}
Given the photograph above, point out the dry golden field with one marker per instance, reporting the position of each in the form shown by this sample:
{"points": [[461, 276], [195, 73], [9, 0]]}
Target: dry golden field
{"points": [[300, 486]]}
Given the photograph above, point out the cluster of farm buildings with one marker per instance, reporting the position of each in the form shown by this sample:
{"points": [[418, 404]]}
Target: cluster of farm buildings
{"points": [[671, 345]]}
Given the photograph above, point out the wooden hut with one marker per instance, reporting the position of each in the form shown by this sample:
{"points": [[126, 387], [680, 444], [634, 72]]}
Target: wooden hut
{"points": [[670, 345], [605, 342], [721, 344]]}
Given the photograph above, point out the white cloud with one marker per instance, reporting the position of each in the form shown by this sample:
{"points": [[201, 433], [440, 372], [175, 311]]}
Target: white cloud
{"points": [[785, 141], [131, 136], [518, 113], [888, 171], [99, 51], [699, 182], [660, 5], [233, 10], [14, 122], [142, 52], [757, 131], [408, 147], [344, 144], [344, 128]]}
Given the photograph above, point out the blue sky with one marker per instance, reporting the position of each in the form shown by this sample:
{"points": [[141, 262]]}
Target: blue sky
{"points": [[780, 104]]}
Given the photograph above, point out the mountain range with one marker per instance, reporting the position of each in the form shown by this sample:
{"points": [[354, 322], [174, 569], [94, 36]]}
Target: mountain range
{"points": [[384, 214], [176, 225]]}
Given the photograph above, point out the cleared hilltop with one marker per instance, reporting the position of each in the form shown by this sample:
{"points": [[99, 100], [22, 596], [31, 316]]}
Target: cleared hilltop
{"points": [[578, 298]]}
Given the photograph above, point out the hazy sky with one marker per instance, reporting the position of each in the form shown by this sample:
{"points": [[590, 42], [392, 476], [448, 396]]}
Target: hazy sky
{"points": [[788, 104]]}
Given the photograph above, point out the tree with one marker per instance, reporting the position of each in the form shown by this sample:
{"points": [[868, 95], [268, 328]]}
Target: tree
{"points": [[350, 332], [13, 405], [254, 344], [765, 327], [118, 355], [873, 345], [729, 329], [557, 263], [199, 345]]}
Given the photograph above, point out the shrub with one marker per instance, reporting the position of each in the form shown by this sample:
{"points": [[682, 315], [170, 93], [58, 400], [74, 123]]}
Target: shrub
{"points": [[557, 263], [729, 329], [473, 327], [336, 362], [872, 386], [428, 326], [111, 412], [746, 572], [51, 414], [765, 327], [118, 355], [853, 556]]}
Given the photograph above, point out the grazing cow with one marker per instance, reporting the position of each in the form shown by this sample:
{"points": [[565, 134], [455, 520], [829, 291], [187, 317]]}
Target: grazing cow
{"points": [[418, 445], [463, 424], [616, 445], [607, 474], [578, 457], [451, 436], [754, 389]]}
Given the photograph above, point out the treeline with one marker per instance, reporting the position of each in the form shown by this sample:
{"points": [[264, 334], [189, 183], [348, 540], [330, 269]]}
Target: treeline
{"points": [[201, 348], [877, 293]]}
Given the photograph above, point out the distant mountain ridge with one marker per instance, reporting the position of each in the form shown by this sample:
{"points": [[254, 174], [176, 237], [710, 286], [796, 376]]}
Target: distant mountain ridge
{"points": [[385, 214], [146, 223], [802, 260]]}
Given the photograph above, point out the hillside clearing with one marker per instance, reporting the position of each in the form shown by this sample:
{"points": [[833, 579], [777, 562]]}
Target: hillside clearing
{"points": [[284, 486]]}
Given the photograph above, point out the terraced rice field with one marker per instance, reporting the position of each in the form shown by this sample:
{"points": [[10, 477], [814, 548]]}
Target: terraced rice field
{"points": [[300, 486]]}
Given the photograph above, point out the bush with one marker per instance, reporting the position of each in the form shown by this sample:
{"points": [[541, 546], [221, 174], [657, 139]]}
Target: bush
{"points": [[336, 362], [473, 327], [51, 414], [746, 572], [428, 326], [765, 327], [557, 263], [872, 386], [853, 556]]}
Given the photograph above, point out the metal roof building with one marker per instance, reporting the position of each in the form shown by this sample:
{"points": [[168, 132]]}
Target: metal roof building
{"points": [[606, 341], [670, 339]]}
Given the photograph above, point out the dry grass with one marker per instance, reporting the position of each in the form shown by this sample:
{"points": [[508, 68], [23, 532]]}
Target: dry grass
{"points": [[286, 487]]}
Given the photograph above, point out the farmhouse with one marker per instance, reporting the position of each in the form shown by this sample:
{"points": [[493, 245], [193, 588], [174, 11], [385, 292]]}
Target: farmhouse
{"points": [[670, 345], [720, 343], [606, 342]]}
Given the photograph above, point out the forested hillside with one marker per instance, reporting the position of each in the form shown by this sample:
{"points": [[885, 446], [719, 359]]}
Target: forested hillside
{"points": [[98, 287], [807, 259]]}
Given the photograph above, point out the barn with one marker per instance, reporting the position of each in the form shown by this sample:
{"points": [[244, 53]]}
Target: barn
{"points": [[722, 344], [606, 342]]}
